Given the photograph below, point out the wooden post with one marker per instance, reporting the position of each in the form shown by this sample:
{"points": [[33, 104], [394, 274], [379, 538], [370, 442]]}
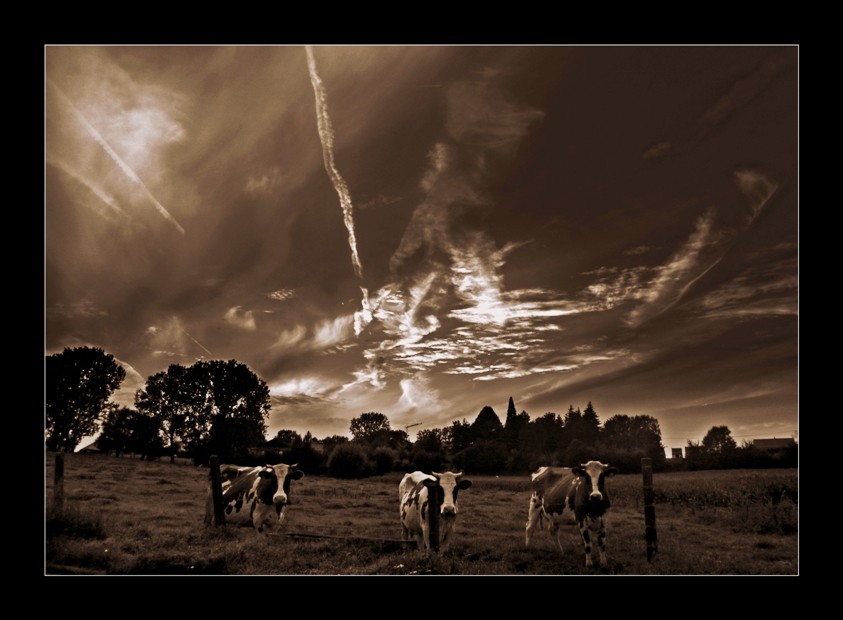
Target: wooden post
{"points": [[58, 483], [216, 489], [433, 515], [649, 509]]}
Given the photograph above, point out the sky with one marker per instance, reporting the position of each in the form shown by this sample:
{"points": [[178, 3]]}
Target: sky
{"points": [[426, 230]]}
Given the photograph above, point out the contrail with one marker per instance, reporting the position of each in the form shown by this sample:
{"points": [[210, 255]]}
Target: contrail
{"points": [[196, 341], [116, 158], [326, 134]]}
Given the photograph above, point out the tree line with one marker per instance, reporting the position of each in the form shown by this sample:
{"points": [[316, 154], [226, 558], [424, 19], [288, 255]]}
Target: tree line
{"points": [[220, 407]]}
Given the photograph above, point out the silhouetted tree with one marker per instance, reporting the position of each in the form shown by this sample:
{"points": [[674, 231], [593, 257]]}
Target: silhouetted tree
{"points": [[367, 426], [218, 407], [163, 397], [541, 438], [637, 434], [487, 424], [78, 384], [284, 438], [127, 430], [515, 423], [590, 425], [718, 440], [460, 435]]}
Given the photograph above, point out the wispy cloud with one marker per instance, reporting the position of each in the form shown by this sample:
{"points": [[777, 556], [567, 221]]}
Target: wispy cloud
{"points": [[671, 279], [657, 150], [301, 389], [263, 182], [282, 294], [171, 339], [244, 319], [744, 90], [122, 165], [84, 308], [757, 188], [768, 288]]}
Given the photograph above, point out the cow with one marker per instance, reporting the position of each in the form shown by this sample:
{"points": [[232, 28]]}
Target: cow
{"points": [[264, 489], [581, 490], [413, 493]]}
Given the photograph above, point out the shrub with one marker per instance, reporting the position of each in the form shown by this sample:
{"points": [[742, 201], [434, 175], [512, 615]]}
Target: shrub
{"points": [[427, 461], [348, 460], [384, 459]]}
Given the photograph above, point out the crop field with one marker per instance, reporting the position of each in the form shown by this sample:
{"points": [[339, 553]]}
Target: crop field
{"points": [[124, 516]]}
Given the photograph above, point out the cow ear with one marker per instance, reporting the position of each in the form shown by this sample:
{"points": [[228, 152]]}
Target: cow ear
{"points": [[579, 471], [297, 474], [610, 471], [463, 484], [265, 474]]}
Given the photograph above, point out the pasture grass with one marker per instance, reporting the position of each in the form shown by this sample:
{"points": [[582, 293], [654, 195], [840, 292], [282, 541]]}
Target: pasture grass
{"points": [[131, 517]]}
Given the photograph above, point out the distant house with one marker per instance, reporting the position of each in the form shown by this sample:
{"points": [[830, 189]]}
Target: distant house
{"points": [[90, 448], [676, 453], [774, 445]]}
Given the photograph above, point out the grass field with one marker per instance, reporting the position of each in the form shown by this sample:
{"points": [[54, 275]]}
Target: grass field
{"points": [[127, 516]]}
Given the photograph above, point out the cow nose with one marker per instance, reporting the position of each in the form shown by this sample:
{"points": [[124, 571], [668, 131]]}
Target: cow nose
{"points": [[449, 510], [595, 495], [280, 498]]}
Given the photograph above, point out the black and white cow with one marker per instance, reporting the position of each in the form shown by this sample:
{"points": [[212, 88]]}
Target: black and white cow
{"points": [[265, 490], [413, 493], [581, 490]]}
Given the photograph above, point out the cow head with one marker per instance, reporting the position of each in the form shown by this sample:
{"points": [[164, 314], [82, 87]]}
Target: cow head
{"points": [[274, 484], [447, 485], [593, 475]]}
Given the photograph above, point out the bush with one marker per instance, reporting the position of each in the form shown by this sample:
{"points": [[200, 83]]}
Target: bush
{"points": [[349, 460], [426, 461], [384, 460], [484, 457]]}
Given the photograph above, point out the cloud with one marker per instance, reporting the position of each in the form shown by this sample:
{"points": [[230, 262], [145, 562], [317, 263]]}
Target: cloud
{"points": [[290, 338], [333, 331], [768, 288], [263, 183], [282, 294], [84, 308], [638, 250], [301, 389], [378, 201], [757, 188], [744, 90], [672, 279], [480, 114], [418, 396], [137, 128], [172, 340], [657, 151], [244, 319]]}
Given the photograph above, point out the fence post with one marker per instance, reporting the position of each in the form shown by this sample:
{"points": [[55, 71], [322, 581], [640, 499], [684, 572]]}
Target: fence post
{"points": [[649, 508], [433, 516], [216, 489], [58, 483]]}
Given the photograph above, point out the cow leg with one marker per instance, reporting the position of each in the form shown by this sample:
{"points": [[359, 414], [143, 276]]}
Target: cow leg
{"points": [[424, 538], [282, 514], [586, 539], [534, 516], [556, 534], [601, 540]]}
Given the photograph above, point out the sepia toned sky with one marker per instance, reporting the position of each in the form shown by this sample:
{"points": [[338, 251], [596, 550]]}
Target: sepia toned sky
{"points": [[426, 230]]}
